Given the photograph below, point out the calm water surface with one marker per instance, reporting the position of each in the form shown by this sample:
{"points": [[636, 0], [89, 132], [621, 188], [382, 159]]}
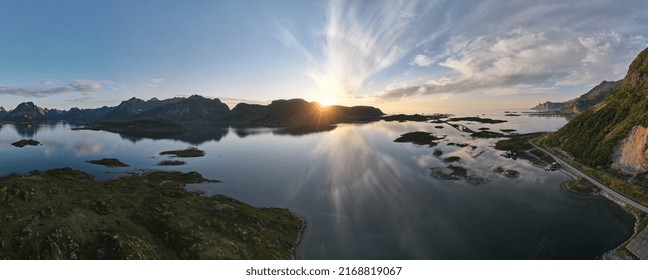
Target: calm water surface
{"points": [[364, 196]]}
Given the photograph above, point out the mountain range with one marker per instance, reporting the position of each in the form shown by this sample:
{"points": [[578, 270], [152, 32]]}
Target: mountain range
{"points": [[197, 109], [583, 102]]}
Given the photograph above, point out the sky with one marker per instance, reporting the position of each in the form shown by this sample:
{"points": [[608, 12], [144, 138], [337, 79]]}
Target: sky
{"points": [[401, 56]]}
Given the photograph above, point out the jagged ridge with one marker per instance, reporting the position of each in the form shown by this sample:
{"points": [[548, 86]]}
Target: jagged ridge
{"points": [[583, 102]]}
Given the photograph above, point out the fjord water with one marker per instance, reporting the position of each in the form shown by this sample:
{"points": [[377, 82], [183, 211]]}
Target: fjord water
{"points": [[364, 196]]}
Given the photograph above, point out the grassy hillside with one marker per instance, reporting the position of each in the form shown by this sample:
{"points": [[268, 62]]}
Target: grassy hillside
{"points": [[592, 136]]}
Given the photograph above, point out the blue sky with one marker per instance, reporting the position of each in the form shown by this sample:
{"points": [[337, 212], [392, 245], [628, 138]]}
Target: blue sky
{"points": [[402, 56]]}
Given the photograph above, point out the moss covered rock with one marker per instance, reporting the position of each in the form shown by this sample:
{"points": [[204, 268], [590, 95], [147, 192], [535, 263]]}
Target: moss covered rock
{"points": [[65, 214]]}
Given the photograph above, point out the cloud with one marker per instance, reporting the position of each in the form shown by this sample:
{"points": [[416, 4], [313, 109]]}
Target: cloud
{"points": [[527, 61], [396, 49], [48, 83], [422, 60], [154, 82], [77, 86], [401, 49], [359, 41]]}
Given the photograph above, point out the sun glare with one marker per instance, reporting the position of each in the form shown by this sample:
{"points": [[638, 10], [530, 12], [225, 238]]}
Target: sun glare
{"points": [[325, 100]]}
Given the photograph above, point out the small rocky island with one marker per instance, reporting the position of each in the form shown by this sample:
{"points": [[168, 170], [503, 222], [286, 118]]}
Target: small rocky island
{"points": [[25, 142], [419, 138], [110, 162], [188, 152], [65, 214]]}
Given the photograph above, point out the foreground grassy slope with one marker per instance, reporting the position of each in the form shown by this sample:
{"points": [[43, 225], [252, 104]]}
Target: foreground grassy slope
{"points": [[65, 214]]}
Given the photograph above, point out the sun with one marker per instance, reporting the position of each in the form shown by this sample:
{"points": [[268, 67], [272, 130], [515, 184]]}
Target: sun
{"points": [[325, 99]]}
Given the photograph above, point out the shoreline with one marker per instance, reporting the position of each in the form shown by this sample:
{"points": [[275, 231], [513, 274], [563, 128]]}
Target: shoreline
{"points": [[614, 253], [300, 238], [611, 254]]}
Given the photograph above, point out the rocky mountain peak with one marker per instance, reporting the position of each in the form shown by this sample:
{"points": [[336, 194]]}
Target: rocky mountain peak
{"points": [[26, 111], [26, 105], [638, 70]]}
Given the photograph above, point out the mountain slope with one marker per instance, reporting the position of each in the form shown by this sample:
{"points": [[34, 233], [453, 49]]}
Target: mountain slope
{"points": [[26, 112], [613, 129], [193, 108], [550, 106], [139, 114], [590, 98], [298, 112], [135, 106], [583, 102]]}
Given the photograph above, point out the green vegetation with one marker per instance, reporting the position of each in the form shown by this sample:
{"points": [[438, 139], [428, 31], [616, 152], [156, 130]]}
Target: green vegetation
{"points": [[437, 152], [438, 126], [592, 135], [171, 162], [507, 130], [25, 142], [110, 162], [189, 152], [517, 143], [487, 134], [542, 155], [636, 193], [451, 159], [509, 173], [583, 186], [476, 119], [642, 218], [65, 214], [641, 179], [419, 138], [458, 171]]}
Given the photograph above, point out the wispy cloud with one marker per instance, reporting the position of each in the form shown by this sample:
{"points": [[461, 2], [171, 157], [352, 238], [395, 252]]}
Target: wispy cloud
{"points": [[396, 49], [527, 61], [49, 88], [359, 41], [422, 60], [154, 82]]}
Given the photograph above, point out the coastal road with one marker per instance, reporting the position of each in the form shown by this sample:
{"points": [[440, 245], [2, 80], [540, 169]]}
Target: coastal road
{"points": [[595, 182]]}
